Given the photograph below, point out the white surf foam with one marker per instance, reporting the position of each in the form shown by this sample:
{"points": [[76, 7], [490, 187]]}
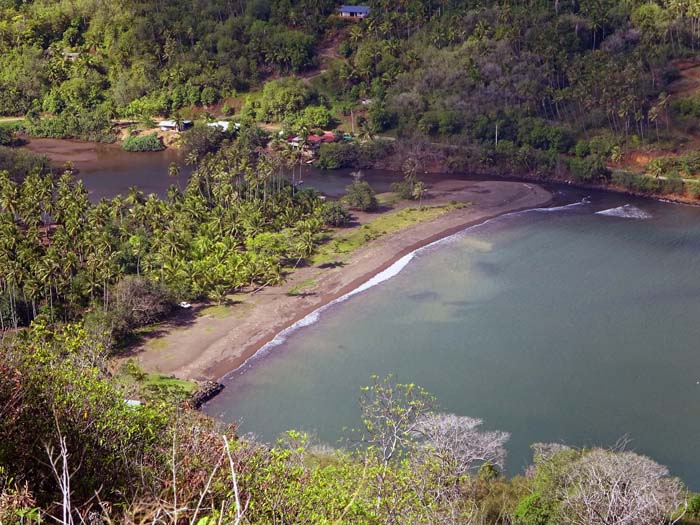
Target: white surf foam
{"points": [[626, 212], [390, 272], [560, 208]]}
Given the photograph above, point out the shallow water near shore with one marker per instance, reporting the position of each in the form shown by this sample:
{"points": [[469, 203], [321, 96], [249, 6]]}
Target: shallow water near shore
{"points": [[563, 325]]}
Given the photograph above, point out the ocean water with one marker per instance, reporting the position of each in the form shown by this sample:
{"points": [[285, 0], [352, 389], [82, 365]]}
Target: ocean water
{"points": [[565, 325]]}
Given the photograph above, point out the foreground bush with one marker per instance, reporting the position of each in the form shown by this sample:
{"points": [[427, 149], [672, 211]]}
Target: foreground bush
{"points": [[62, 420]]}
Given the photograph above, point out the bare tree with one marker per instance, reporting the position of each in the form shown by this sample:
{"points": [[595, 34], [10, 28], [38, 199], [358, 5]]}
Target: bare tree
{"points": [[240, 510], [390, 414], [459, 444], [59, 467], [607, 487]]}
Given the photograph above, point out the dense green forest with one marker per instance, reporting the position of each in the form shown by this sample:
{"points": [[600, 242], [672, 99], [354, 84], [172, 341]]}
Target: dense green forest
{"points": [[555, 88]]}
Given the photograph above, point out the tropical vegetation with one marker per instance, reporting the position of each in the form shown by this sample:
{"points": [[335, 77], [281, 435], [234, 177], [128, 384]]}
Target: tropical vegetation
{"points": [[237, 222], [72, 450]]}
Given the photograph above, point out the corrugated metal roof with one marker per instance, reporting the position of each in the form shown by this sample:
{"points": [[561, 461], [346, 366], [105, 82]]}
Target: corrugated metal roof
{"points": [[357, 9]]}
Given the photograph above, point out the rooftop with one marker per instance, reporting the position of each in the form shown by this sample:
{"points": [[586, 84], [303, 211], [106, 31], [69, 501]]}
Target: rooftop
{"points": [[358, 9]]}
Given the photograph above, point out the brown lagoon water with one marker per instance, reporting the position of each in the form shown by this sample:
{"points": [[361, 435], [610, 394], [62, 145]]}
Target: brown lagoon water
{"points": [[107, 170], [560, 325]]}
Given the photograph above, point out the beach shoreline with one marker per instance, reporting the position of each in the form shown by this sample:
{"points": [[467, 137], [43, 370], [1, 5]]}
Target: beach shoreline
{"points": [[209, 348]]}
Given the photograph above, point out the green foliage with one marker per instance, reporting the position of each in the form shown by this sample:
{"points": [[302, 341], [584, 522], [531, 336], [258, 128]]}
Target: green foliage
{"points": [[335, 214], [283, 99], [149, 142], [645, 185], [353, 154], [694, 507], [360, 196], [337, 155], [238, 222], [8, 133], [18, 163], [52, 387], [313, 117], [79, 124], [134, 302], [533, 509], [589, 169], [202, 139]]}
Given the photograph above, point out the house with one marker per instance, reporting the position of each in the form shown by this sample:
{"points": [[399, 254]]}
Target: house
{"points": [[221, 124], [353, 11], [172, 125], [224, 125], [314, 141]]}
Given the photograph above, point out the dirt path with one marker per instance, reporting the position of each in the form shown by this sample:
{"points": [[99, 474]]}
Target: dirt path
{"points": [[209, 343]]}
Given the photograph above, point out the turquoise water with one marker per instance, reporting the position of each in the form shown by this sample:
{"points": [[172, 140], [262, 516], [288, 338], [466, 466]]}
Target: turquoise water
{"points": [[562, 325]]}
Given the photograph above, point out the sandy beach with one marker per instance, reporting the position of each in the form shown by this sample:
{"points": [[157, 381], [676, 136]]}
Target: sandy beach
{"points": [[199, 345]]}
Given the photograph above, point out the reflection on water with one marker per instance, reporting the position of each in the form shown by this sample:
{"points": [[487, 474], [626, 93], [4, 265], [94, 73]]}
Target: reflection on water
{"points": [[565, 326], [107, 170]]}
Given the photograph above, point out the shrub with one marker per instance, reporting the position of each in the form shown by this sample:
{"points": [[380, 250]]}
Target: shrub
{"points": [[20, 162], [582, 149], [335, 214], [337, 155], [315, 117], [92, 126], [135, 302], [361, 196], [150, 142], [201, 140], [589, 169], [404, 189], [352, 154], [693, 190], [283, 99], [209, 96]]}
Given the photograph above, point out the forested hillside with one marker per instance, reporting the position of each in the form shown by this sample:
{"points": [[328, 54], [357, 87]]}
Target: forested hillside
{"points": [[552, 88], [129, 56]]}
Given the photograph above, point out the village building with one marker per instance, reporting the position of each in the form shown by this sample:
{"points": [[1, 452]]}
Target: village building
{"points": [[172, 125], [313, 141], [224, 125], [353, 11]]}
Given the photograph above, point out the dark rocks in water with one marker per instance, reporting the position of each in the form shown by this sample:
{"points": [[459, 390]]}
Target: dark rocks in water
{"points": [[205, 393]]}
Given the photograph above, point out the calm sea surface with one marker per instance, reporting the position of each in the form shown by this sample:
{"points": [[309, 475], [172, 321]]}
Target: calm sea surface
{"points": [[562, 325]]}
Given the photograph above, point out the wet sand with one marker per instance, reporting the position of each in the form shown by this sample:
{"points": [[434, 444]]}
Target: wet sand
{"points": [[201, 347]]}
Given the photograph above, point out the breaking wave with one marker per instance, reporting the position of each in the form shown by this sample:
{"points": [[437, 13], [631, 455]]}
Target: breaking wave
{"points": [[626, 212]]}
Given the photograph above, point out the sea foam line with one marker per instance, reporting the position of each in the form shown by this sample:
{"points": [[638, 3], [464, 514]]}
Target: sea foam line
{"points": [[392, 271]]}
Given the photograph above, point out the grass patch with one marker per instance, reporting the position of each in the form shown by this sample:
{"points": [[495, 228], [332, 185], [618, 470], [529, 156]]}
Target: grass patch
{"points": [[340, 246], [157, 344], [388, 199], [302, 286], [152, 387], [217, 311]]}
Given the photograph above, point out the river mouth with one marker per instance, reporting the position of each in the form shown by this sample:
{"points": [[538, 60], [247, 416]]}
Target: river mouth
{"points": [[554, 325]]}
